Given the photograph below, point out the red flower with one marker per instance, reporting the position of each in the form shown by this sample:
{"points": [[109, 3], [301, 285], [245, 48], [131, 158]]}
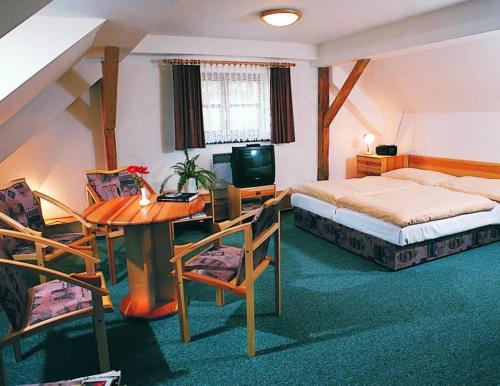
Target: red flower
{"points": [[133, 169], [142, 170]]}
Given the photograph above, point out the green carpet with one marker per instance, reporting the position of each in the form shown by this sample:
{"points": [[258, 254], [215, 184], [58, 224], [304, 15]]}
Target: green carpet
{"points": [[345, 321]]}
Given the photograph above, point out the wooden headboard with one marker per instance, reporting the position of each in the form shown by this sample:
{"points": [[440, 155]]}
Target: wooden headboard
{"points": [[455, 167]]}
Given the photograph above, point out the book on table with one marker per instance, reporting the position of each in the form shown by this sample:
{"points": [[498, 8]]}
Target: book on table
{"points": [[177, 197]]}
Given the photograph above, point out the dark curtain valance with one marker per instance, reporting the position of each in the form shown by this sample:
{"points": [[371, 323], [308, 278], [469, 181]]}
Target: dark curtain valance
{"points": [[282, 126], [189, 131]]}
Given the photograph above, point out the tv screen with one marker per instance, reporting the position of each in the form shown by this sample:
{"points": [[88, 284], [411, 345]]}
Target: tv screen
{"points": [[253, 165]]}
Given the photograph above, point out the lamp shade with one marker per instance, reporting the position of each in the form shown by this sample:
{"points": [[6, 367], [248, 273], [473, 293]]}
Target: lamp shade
{"points": [[369, 139], [280, 17]]}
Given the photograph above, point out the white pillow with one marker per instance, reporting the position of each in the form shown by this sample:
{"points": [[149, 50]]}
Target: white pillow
{"points": [[487, 187], [420, 176]]}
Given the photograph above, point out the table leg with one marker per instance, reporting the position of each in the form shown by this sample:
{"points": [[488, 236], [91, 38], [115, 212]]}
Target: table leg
{"points": [[152, 288]]}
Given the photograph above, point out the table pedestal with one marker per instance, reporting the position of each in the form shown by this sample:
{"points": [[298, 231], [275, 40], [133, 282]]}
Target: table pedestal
{"points": [[152, 288]]}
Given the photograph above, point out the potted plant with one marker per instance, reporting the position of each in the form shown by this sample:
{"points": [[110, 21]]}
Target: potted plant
{"points": [[191, 176]]}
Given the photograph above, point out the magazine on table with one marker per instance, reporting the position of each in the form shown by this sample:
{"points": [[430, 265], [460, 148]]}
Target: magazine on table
{"points": [[177, 197]]}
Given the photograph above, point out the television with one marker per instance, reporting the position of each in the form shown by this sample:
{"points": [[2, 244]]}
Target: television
{"points": [[252, 165]]}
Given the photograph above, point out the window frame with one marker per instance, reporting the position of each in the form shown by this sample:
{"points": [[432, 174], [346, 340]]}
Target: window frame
{"points": [[225, 75]]}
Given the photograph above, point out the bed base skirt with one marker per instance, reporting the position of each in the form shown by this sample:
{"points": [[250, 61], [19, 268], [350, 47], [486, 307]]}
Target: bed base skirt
{"points": [[390, 255]]}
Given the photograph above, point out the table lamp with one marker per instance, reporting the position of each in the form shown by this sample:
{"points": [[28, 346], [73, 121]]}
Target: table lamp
{"points": [[368, 140]]}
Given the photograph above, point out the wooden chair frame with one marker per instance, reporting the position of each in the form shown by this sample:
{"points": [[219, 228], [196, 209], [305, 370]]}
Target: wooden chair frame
{"points": [[101, 302], [41, 256], [107, 230], [246, 289]]}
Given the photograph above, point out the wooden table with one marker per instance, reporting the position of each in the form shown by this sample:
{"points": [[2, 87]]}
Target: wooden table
{"points": [[149, 249]]}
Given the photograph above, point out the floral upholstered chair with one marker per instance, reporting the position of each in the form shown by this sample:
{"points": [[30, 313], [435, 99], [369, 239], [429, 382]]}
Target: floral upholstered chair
{"points": [[68, 297], [233, 269], [20, 209], [103, 185]]}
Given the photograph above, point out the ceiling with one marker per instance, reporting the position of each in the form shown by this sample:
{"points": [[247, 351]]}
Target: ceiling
{"points": [[323, 20]]}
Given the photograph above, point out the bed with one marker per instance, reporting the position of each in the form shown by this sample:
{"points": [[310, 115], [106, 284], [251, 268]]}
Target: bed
{"points": [[401, 246]]}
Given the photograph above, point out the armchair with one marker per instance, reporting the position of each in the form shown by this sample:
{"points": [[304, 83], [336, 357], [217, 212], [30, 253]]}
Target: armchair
{"points": [[105, 185], [233, 269], [67, 298], [20, 209]]}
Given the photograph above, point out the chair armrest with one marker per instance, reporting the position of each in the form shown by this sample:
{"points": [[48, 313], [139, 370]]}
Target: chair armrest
{"points": [[64, 207], [48, 242], [278, 199], [17, 226], [53, 274], [229, 223], [209, 239]]}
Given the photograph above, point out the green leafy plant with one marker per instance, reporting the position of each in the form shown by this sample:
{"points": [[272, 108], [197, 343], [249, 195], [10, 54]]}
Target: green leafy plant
{"points": [[188, 169]]}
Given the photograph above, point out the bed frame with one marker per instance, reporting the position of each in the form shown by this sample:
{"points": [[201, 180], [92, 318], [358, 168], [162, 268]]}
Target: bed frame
{"points": [[396, 257], [390, 255], [455, 167]]}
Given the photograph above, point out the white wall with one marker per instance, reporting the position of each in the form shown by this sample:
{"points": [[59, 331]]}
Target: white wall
{"points": [[145, 133], [472, 136]]}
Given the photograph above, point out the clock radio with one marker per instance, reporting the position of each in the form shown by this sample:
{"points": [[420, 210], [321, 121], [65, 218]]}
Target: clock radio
{"points": [[386, 150]]}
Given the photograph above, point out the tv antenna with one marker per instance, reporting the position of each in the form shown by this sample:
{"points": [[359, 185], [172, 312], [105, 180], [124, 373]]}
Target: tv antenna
{"points": [[399, 127]]}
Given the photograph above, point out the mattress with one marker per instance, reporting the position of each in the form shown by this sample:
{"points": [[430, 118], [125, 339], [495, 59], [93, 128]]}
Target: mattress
{"points": [[313, 205], [393, 233]]}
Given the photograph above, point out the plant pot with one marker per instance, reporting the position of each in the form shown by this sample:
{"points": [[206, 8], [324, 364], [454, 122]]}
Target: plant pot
{"points": [[190, 186], [144, 197]]}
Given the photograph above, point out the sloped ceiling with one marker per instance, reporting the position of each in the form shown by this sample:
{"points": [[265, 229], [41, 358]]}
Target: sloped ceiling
{"points": [[37, 53], [46, 106], [14, 12], [461, 76], [128, 21]]}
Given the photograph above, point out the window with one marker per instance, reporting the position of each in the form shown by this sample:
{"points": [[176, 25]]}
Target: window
{"points": [[235, 100]]}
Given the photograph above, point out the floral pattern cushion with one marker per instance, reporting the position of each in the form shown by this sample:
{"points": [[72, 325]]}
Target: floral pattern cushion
{"points": [[64, 238], [13, 296], [56, 298], [113, 185], [220, 263], [19, 203]]}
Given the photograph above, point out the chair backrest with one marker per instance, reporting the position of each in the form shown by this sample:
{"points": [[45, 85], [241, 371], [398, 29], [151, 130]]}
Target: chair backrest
{"points": [[19, 203], [109, 184], [266, 216], [13, 291]]}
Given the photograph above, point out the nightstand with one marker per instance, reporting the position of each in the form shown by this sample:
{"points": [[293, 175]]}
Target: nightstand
{"points": [[375, 165], [241, 200]]}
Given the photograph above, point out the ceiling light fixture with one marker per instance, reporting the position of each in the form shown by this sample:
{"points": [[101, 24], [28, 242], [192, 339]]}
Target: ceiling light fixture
{"points": [[280, 17]]}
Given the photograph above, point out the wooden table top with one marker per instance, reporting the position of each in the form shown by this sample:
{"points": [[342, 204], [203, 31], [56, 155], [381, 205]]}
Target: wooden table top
{"points": [[127, 211]]}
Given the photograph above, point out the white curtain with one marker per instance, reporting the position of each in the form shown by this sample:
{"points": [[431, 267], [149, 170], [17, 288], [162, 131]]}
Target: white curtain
{"points": [[235, 101]]}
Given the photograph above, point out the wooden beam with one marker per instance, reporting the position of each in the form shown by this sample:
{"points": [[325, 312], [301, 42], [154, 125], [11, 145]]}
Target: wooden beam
{"points": [[109, 93], [346, 89], [323, 131]]}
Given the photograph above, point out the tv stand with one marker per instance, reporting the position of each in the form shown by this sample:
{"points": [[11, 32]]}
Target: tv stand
{"points": [[242, 200]]}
